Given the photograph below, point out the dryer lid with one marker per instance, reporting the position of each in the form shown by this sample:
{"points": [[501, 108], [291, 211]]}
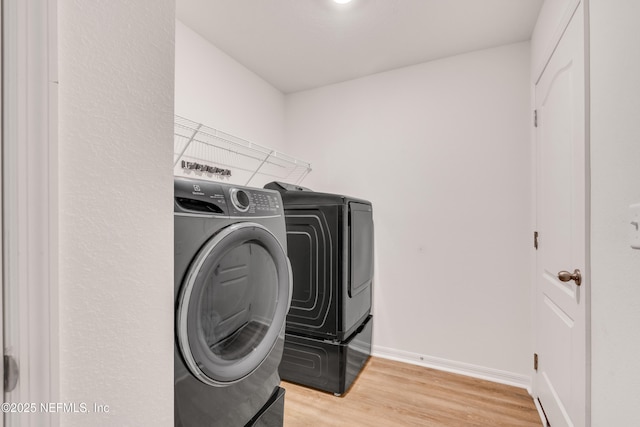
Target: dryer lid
{"points": [[284, 186]]}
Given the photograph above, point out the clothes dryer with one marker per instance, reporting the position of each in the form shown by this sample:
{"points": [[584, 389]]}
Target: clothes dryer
{"points": [[330, 240], [329, 326], [232, 293]]}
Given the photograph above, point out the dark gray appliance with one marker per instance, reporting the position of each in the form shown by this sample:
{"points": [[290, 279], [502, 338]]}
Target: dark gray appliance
{"points": [[232, 293], [329, 326]]}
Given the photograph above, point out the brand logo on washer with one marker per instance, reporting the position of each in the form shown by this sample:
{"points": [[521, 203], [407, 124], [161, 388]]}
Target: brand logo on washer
{"points": [[196, 187]]}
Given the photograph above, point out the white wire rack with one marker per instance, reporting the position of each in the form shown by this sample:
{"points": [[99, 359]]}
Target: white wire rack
{"points": [[205, 148]]}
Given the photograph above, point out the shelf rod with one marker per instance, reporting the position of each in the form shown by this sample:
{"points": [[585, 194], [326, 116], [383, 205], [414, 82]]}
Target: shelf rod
{"points": [[195, 132], [237, 151], [259, 167]]}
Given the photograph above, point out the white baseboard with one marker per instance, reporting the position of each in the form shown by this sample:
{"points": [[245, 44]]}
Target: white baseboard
{"points": [[455, 367], [543, 417]]}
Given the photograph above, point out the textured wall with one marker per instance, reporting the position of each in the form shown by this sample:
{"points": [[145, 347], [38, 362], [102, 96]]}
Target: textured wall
{"points": [[442, 149], [116, 69], [615, 184]]}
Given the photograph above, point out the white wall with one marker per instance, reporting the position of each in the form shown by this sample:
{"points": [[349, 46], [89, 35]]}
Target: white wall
{"points": [[116, 223], [214, 89], [442, 149], [615, 184]]}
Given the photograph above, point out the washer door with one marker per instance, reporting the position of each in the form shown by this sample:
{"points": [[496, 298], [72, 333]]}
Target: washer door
{"points": [[233, 303]]}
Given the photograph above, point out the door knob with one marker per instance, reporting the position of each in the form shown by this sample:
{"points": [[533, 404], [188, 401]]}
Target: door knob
{"points": [[565, 276], [11, 373]]}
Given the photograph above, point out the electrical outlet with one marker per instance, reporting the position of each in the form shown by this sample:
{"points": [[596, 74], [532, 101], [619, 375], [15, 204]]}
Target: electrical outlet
{"points": [[634, 235]]}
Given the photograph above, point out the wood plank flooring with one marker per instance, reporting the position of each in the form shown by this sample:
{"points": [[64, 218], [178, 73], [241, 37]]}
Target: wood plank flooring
{"points": [[389, 393]]}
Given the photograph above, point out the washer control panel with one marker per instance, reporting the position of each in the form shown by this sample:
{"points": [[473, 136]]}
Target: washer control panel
{"points": [[255, 202], [194, 196]]}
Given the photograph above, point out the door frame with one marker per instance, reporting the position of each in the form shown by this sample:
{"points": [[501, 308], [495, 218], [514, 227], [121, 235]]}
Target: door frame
{"points": [[1, 200], [538, 69], [30, 201]]}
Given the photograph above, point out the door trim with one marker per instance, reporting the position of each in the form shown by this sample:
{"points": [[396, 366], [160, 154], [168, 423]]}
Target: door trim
{"points": [[30, 199], [587, 210], [1, 199]]}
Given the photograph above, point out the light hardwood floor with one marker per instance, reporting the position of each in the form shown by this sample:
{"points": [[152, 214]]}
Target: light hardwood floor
{"points": [[389, 393]]}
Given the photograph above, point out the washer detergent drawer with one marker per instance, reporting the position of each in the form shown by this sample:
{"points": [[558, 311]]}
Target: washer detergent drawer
{"points": [[324, 365]]}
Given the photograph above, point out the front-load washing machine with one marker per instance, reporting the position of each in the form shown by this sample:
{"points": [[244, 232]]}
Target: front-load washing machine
{"points": [[232, 293]]}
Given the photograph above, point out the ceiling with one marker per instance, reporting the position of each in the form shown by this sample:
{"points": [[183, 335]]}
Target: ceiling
{"points": [[302, 44]]}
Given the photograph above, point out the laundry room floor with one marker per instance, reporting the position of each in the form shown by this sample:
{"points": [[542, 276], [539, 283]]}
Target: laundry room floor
{"points": [[389, 393]]}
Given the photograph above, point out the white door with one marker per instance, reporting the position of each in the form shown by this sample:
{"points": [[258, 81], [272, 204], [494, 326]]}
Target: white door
{"points": [[560, 297]]}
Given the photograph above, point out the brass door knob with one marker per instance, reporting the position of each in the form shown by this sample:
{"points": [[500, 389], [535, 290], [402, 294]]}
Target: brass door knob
{"points": [[565, 276]]}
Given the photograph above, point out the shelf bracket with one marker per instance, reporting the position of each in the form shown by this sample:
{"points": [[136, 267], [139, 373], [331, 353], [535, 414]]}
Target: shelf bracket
{"points": [[260, 167], [195, 132], [304, 174]]}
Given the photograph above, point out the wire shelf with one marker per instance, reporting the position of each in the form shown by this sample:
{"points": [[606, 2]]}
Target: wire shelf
{"points": [[209, 153]]}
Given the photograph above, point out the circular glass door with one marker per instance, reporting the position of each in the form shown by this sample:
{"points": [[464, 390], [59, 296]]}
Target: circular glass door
{"points": [[233, 303]]}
